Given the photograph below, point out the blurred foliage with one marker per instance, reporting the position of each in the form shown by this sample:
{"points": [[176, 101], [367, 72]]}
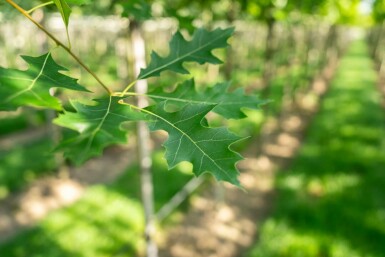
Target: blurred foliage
{"points": [[330, 203], [12, 123], [24, 163], [203, 12], [342, 12], [379, 11]]}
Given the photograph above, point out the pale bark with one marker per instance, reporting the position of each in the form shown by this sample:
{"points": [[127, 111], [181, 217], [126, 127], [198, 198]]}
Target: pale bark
{"points": [[143, 139]]}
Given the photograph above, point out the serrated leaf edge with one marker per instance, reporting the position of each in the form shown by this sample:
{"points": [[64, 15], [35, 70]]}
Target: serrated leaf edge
{"points": [[33, 82], [93, 133], [203, 152], [148, 74]]}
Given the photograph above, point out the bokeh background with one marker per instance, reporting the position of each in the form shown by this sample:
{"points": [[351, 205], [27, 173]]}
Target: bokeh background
{"points": [[314, 173]]}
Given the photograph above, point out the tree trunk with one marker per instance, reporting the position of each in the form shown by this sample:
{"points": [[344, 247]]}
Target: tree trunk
{"points": [[377, 53], [230, 17], [329, 50], [143, 141], [269, 53]]}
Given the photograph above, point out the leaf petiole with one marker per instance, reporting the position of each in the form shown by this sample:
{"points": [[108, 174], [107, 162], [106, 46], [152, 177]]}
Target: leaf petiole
{"points": [[68, 39], [39, 6], [128, 88]]}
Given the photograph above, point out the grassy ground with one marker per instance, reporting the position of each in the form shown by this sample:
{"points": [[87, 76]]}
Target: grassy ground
{"points": [[331, 201], [23, 164], [106, 221], [18, 121]]}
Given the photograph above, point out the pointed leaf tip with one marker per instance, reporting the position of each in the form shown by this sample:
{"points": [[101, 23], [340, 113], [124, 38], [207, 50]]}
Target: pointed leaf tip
{"points": [[208, 149], [64, 10], [181, 51], [31, 87]]}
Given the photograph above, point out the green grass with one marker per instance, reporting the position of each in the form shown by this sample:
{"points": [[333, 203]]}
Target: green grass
{"points": [[331, 201], [20, 121], [23, 164], [106, 221], [12, 124]]}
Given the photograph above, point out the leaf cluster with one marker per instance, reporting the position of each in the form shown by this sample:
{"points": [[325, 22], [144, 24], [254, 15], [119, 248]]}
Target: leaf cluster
{"points": [[100, 124]]}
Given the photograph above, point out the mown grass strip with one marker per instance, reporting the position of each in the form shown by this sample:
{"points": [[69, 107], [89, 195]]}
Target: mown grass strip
{"points": [[331, 201], [107, 221]]}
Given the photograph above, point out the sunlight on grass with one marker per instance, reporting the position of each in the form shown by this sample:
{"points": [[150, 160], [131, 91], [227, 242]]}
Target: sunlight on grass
{"points": [[83, 229], [23, 164], [376, 219], [328, 184], [330, 202], [101, 222], [279, 239], [249, 126], [106, 221], [292, 182]]}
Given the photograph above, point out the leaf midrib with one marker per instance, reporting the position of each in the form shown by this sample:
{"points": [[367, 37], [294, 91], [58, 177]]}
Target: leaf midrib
{"points": [[148, 74], [199, 102], [187, 136], [29, 88], [93, 133]]}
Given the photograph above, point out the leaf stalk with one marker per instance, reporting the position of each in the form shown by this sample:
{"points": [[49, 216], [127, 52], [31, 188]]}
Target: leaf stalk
{"points": [[39, 6], [128, 87]]}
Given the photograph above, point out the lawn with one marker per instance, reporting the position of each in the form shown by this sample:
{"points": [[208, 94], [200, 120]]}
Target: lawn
{"points": [[331, 201], [106, 221]]}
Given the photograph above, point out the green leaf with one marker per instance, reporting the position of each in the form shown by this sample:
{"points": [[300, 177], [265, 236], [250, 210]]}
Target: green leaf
{"points": [[185, 19], [64, 10], [138, 10], [197, 50], [98, 126], [31, 87], [79, 2], [228, 104], [208, 149]]}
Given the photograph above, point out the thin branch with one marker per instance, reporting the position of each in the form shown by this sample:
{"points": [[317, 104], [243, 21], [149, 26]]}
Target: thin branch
{"points": [[178, 198], [77, 59]]}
